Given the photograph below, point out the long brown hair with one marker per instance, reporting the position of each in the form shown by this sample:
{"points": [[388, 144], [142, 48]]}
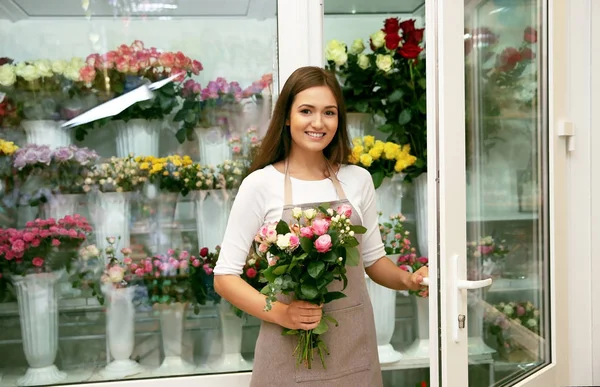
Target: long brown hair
{"points": [[277, 143]]}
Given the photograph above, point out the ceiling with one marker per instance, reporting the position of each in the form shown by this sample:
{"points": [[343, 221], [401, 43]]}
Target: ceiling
{"points": [[25, 9]]}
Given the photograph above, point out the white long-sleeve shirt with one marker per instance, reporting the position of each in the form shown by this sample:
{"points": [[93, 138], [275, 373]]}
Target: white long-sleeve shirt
{"points": [[260, 200]]}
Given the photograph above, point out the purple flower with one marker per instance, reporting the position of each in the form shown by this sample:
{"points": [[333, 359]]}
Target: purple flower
{"points": [[63, 154]]}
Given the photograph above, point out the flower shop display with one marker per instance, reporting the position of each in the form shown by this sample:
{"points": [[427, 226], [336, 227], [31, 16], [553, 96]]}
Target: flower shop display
{"points": [[34, 259], [257, 103], [119, 71], [114, 182], [516, 329], [411, 262], [39, 90], [9, 119], [319, 242], [7, 179], [485, 258], [386, 162], [384, 299]]}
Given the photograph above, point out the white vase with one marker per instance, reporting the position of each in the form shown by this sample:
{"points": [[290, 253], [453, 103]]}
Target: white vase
{"points": [[60, 205], [172, 322], [110, 213], [359, 124], [475, 325], [231, 338], [47, 132], [120, 332], [389, 196], [38, 312], [213, 145], [212, 212], [167, 231], [384, 310], [137, 136], [419, 349], [420, 185]]}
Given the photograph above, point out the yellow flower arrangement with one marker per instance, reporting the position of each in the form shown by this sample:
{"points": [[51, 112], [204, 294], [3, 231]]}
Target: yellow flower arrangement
{"points": [[7, 148], [381, 159], [165, 171]]}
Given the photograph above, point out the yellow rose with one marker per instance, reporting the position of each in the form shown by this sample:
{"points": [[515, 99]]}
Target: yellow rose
{"points": [[144, 165], [391, 150], [357, 151], [366, 160], [357, 141], [166, 173], [369, 141], [379, 145], [375, 153], [352, 159]]}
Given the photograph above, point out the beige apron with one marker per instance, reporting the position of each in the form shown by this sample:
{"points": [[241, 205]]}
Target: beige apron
{"points": [[353, 359]]}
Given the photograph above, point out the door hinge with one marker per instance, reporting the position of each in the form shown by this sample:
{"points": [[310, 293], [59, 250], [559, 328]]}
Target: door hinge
{"points": [[566, 129]]}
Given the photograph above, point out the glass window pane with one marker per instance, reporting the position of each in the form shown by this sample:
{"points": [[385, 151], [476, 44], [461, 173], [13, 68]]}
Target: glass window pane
{"points": [[135, 122], [380, 63], [507, 179]]}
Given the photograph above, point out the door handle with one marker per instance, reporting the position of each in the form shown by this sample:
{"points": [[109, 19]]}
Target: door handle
{"points": [[459, 287]]}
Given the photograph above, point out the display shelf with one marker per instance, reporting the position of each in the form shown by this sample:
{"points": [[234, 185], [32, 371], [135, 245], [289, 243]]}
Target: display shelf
{"points": [[501, 285], [344, 7], [502, 217]]}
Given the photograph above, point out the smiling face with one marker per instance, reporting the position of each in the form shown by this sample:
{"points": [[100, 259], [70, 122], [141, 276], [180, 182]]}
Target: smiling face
{"points": [[313, 119]]}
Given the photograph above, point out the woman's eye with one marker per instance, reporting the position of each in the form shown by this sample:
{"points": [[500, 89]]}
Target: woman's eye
{"points": [[305, 111], [330, 113]]}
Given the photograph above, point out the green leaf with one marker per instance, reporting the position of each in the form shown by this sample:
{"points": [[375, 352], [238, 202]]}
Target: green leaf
{"points": [[352, 256], [333, 296], [362, 106], [358, 229], [268, 273], [279, 270], [386, 128], [351, 242], [344, 280], [180, 135], [404, 117], [331, 320], [316, 268], [330, 256], [396, 96], [321, 328], [309, 291], [266, 290], [289, 332], [282, 228], [307, 244], [377, 177], [190, 118]]}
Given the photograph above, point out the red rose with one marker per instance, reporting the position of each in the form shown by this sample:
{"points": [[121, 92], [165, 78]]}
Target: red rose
{"points": [[530, 35], [415, 37], [251, 273], [410, 50], [526, 53], [508, 59], [204, 252], [391, 25], [392, 40], [407, 26]]}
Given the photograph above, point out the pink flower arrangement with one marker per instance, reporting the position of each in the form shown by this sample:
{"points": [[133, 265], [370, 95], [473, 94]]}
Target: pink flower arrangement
{"points": [[43, 245], [256, 88], [487, 248], [304, 257]]}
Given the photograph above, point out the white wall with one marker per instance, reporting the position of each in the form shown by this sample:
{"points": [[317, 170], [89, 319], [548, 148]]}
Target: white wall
{"points": [[584, 193]]}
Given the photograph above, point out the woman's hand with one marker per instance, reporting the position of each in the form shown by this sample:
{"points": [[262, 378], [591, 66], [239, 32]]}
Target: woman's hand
{"points": [[413, 282], [301, 315]]}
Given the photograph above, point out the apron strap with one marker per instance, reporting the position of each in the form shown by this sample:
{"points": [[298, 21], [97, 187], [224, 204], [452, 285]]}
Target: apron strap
{"points": [[287, 189]]}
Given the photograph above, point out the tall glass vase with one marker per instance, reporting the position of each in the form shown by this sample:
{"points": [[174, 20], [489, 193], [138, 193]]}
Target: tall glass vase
{"points": [[384, 310], [120, 320], [38, 312], [419, 349], [172, 327], [231, 338]]}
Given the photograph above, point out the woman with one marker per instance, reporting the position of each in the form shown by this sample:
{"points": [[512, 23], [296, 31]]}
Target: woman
{"points": [[302, 162]]}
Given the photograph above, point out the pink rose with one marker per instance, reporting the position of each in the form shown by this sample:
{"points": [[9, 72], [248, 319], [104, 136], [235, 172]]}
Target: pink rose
{"points": [[127, 261], [251, 273], [183, 265], [207, 269], [520, 310], [272, 260], [306, 232], [485, 250], [323, 243], [294, 241], [403, 259], [139, 272], [170, 252], [423, 260], [263, 248], [345, 209], [196, 263], [320, 226], [406, 268], [55, 242], [125, 251], [37, 261]]}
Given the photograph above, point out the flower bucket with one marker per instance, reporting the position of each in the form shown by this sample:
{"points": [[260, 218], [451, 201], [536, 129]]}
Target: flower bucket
{"points": [[231, 339], [389, 196], [212, 212], [359, 125], [38, 302], [172, 326], [47, 132], [61, 205], [137, 136], [111, 213], [213, 144]]}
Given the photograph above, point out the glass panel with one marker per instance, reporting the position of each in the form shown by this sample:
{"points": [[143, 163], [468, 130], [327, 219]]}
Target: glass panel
{"points": [[141, 178], [507, 176], [382, 72]]}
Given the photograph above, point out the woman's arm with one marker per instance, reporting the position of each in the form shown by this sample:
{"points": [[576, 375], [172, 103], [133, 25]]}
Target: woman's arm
{"points": [[386, 273]]}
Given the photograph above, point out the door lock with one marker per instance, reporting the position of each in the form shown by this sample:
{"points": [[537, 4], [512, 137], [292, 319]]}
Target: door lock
{"points": [[461, 321]]}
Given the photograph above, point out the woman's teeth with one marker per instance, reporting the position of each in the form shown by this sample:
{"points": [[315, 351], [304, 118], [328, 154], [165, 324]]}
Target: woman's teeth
{"points": [[315, 135]]}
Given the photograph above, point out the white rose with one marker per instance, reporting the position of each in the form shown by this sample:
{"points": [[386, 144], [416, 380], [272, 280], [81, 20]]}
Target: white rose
{"points": [[251, 262], [310, 214], [329, 212], [77, 62], [363, 61], [7, 75], [357, 47], [44, 67], [115, 274], [384, 62], [283, 241], [29, 73], [297, 212], [59, 66], [378, 39], [93, 251], [336, 52], [532, 323]]}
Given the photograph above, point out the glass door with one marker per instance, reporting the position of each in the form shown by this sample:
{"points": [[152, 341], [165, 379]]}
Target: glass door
{"points": [[496, 170]]}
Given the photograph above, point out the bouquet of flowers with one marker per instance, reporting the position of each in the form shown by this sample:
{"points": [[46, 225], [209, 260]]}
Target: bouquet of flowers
{"points": [[195, 178], [304, 257], [380, 159], [399, 242], [165, 171], [230, 174], [487, 248], [70, 166], [44, 245], [116, 175], [127, 67]]}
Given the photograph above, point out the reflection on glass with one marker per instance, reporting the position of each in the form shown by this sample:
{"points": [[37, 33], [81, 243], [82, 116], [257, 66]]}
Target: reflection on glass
{"points": [[506, 178], [116, 186], [380, 63]]}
